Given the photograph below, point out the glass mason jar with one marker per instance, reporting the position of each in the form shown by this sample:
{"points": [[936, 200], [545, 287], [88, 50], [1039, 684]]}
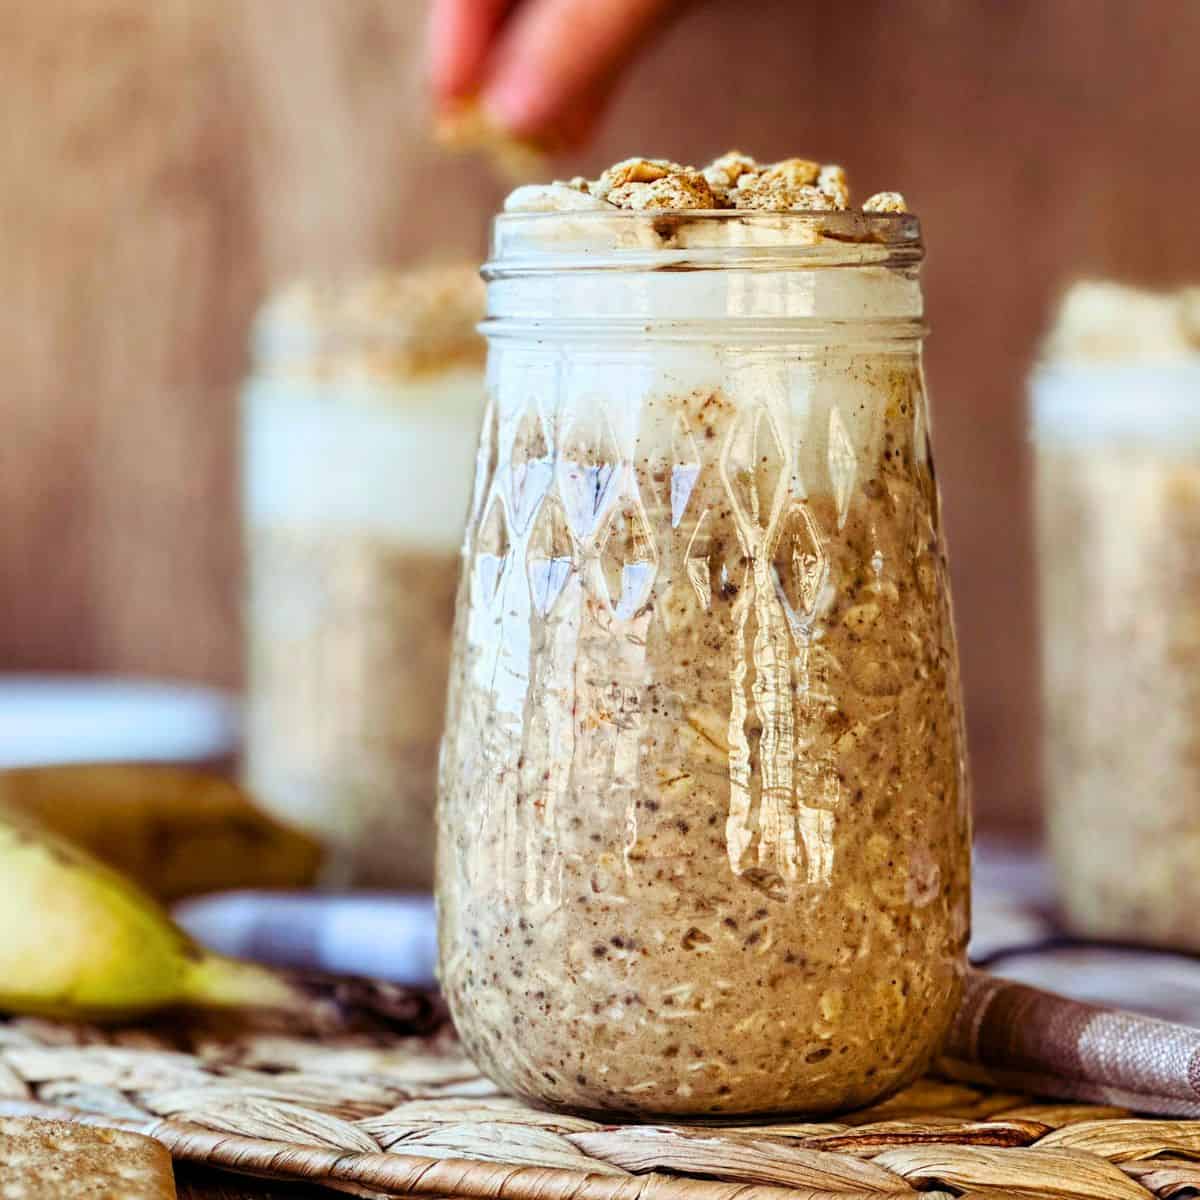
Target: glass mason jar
{"points": [[703, 822], [360, 426], [1117, 471]]}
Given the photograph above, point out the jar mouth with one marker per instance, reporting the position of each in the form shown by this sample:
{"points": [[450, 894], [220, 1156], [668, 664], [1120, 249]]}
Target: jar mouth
{"points": [[700, 239]]}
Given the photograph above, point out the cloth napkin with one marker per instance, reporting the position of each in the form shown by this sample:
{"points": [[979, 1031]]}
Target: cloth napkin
{"points": [[1017, 1037]]}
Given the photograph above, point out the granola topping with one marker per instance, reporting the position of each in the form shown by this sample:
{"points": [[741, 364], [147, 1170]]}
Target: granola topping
{"points": [[885, 202], [724, 172], [733, 180]]}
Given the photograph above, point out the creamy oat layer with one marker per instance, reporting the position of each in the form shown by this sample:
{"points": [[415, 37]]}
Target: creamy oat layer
{"points": [[1120, 611], [348, 658], [703, 827], [1118, 507], [733, 181]]}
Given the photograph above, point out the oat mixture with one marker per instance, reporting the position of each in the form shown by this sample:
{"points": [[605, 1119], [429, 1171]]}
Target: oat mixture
{"points": [[732, 181], [703, 838], [1118, 508], [347, 691]]}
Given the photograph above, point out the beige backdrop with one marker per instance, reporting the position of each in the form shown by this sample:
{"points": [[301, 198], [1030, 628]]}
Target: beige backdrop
{"points": [[162, 164]]}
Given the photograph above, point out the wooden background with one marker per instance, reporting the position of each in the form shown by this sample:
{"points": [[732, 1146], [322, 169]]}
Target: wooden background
{"points": [[162, 164]]}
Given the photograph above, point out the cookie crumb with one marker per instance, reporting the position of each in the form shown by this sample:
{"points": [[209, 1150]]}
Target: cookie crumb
{"points": [[682, 190], [733, 180], [832, 181], [885, 202], [764, 194], [724, 172]]}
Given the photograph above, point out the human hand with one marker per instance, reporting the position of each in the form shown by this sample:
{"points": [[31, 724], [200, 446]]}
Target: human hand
{"points": [[541, 69]]}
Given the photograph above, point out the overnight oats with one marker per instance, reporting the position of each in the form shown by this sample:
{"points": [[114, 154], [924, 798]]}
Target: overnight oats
{"points": [[361, 422], [1117, 455], [703, 824]]}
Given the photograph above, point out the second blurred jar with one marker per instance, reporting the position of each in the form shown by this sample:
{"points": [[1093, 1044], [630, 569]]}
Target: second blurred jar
{"points": [[1116, 417], [360, 423]]}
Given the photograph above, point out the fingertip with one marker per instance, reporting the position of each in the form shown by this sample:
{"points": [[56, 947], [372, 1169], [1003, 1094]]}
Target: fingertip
{"points": [[511, 100]]}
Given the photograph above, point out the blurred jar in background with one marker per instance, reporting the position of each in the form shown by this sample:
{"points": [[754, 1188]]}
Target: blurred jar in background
{"points": [[1116, 425], [360, 425]]}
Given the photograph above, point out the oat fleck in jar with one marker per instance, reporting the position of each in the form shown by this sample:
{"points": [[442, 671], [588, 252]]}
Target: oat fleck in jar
{"points": [[360, 426], [1116, 426], [703, 832]]}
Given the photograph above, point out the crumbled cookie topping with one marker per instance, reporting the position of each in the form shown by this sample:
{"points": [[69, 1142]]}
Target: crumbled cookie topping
{"points": [[641, 183], [831, 179], [633, 170], [724, 172], [787, 186], [734, 180], [885, 202]]}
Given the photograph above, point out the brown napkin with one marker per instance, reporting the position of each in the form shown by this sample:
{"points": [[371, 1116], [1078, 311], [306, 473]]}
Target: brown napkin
{"points": [[1016, 1037]]}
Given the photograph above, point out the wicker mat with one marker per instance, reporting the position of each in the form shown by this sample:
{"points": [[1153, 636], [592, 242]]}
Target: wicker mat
{"points": [[380, 1117]]}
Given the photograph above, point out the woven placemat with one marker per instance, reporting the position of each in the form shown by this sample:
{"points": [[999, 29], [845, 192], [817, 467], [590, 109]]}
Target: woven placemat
{"points": [[411, 1116]]}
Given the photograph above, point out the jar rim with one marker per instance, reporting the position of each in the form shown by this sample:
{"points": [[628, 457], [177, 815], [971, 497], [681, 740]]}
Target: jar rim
{"points": [[700, 239], [808, 217]]}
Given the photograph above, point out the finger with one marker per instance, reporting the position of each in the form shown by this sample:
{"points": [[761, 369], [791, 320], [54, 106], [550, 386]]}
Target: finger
{"points": [[555, 52], [461, 37]]}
